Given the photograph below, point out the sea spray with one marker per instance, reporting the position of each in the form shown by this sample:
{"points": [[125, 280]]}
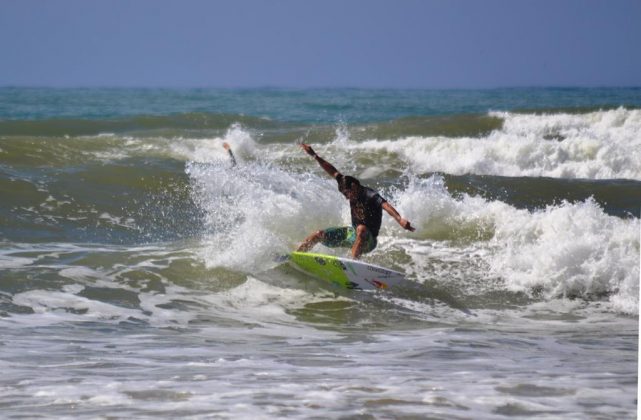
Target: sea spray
{"points": [[211, 149], [438, 215], [255, 212]]}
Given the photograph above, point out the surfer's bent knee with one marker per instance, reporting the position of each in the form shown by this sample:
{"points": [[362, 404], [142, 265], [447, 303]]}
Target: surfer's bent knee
{"points": [[361, 231]]}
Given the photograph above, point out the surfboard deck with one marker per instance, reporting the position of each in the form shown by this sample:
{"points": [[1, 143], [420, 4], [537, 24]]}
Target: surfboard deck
{"points": [[347, 273]]}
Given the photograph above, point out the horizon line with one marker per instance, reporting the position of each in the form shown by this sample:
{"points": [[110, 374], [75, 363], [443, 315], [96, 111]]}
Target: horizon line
{"points": [[336, 87]]}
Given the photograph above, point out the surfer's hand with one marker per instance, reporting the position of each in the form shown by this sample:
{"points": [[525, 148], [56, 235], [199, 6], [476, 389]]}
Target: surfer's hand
{"points": [[226, 146], [307, 148], [406, 225]]}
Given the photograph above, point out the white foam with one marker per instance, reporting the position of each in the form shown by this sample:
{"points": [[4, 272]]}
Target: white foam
{"points": [[255, 299], [437, 215], [258, 211], [570, 250], [9, 261], [211, 150], [63, 306], [125, 222], [566, 250], [598, 145], [79, 273]]}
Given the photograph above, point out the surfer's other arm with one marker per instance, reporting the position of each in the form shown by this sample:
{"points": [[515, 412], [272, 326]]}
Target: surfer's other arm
{"points": [[405, 224], [231, 154], [333, 172]]}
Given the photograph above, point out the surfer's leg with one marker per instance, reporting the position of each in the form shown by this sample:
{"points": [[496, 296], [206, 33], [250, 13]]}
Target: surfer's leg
{"points": [[332, 237], [361, 238], [339, 237], [311, 240], [365, 242]]}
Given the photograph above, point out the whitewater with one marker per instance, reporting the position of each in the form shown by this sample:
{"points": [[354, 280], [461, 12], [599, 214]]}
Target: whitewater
{"points": [[138, 274]]}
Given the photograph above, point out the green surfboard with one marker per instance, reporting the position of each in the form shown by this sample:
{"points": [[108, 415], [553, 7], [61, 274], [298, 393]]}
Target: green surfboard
{"points": [[347, 273]]}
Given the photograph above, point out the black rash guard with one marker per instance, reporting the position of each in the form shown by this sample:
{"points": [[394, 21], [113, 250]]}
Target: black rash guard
{"points": [[367, 210]]}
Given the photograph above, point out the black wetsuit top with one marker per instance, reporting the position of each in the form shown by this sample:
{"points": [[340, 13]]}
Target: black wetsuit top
{"points": [[367, 210]]}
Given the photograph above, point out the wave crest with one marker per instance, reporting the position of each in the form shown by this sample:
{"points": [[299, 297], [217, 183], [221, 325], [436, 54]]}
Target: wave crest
{"points": [[599, 145]]}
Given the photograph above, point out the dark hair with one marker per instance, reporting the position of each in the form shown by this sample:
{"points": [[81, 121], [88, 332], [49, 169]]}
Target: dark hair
{"points": [[346, 181]]}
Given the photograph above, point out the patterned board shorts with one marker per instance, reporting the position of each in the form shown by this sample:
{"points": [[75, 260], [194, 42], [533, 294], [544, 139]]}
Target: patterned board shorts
{"points": [[344, 237]]}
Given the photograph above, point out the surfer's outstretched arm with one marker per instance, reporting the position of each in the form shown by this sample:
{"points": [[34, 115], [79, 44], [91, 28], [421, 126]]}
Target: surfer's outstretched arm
{"points": [[405, 224], [231, 154], [328, 167]]}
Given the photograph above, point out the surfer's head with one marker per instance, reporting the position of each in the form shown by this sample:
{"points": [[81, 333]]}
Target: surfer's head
{"points": [[349, 186]]}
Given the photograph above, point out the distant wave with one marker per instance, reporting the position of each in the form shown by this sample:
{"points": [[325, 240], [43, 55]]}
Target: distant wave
{"points": [[597, 145]]}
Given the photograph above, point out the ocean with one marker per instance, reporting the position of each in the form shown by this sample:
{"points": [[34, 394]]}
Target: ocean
{"points": [[138, 274]]}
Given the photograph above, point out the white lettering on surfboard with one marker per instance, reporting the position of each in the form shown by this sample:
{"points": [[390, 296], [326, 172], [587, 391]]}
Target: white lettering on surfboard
{"points": [[380, 270]]}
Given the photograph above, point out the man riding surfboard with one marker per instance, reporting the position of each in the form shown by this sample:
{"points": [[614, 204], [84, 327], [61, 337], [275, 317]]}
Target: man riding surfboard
{"points": [[366, 206]]}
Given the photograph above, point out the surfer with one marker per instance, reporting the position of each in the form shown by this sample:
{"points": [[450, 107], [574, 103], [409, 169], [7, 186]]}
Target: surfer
{"points": [[366, 207]]}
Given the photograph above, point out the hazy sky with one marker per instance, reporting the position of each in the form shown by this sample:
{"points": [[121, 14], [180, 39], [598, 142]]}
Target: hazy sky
{"points": [[328, 43]]}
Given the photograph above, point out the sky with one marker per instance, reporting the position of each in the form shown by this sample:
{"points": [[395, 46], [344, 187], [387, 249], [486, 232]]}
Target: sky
{"points": [[320, 43]]}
